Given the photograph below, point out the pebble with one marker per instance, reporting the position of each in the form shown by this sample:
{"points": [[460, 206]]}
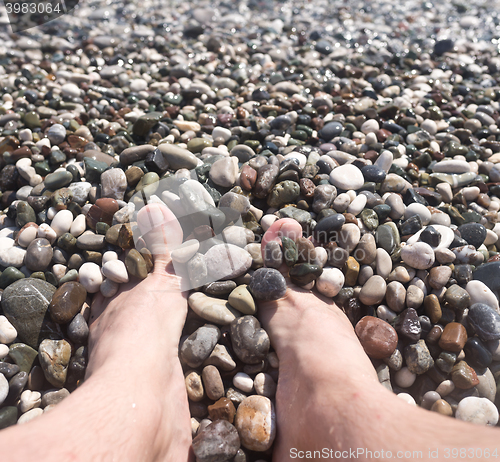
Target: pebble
{"points": [[267, 284], [25, 303], [218, 441], [480, 411], [67, 301], [418, 358], [485, 321], [227, 261], [212, 309], [250, 342], [378, 338], [418, 255], [90, 277], [243, 381], [198, 346], [256, 423], [8, 332], [116, 271], [54, 358], [347, 177], [373, 291]]}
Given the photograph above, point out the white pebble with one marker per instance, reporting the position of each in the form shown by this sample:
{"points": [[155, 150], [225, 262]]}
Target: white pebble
{"points": [[116, 271], [480, 293], [45, 231], [330, 282], [4, 351], [408, 398], [404, 378], [59, 271], [4, 388], [267, 221], [90, 277], [29, 400], [62, 222], [445, 388], [71, 90], [25, 238], [264, 385], [357, 205], [78, 226], [108, 256], [370, 126], [30, 415], [479, 411], [243, 381], [418, 209], [8, 332]]}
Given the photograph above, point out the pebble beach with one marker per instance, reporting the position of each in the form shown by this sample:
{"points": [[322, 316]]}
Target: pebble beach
{"points": [[373, 128]]}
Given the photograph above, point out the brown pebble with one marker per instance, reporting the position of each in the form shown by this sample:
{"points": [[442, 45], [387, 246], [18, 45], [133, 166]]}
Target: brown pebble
{"points": [[248, 177], [434, 335], [305, 250], [463, 376], [223, 409], [125, 237], [133, 174], [442, 407], [378, 338], [214, 388], [307, 187], [432, 308], [453, 337]]}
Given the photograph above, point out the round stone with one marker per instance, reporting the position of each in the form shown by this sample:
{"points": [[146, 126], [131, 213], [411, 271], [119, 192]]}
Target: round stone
{"points": [[90, 277], [347, 177], [378, 338], [330, 282], [473, 233], [256, 423], [38, 255], [373, 291], [54, 358], [418, 255], [116, 271], [67, 301], [227, 261], [267, 284], [56, 134], [250, 342], [479, 411], [25, 304], [218, 441]]}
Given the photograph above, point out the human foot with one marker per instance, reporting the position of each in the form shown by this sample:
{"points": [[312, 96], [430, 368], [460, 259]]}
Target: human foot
{"points": [[322, 364], [133, 404]]}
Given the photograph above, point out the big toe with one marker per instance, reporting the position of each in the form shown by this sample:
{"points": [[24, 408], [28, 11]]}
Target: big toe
{"points": [[161, 232]]}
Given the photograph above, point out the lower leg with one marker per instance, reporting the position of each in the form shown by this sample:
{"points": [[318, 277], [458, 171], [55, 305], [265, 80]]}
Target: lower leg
{"points": [[133, 404]]}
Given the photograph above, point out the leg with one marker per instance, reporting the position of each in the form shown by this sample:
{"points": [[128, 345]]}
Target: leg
{"points": [[328, 394], [133, 404]]}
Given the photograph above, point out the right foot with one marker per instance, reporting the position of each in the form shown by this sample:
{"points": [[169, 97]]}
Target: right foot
{"points": [[323, 366]]}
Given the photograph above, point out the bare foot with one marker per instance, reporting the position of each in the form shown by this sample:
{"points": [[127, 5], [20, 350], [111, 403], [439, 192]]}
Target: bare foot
{"points": [[133, 404], [329, 397]]}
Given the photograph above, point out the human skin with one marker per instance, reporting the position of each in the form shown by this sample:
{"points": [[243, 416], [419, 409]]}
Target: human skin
{"points": [[133, 404]]}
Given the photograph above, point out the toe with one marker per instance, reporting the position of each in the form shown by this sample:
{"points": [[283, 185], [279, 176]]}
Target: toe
{"points": [[286, 227], [161, 231]]}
